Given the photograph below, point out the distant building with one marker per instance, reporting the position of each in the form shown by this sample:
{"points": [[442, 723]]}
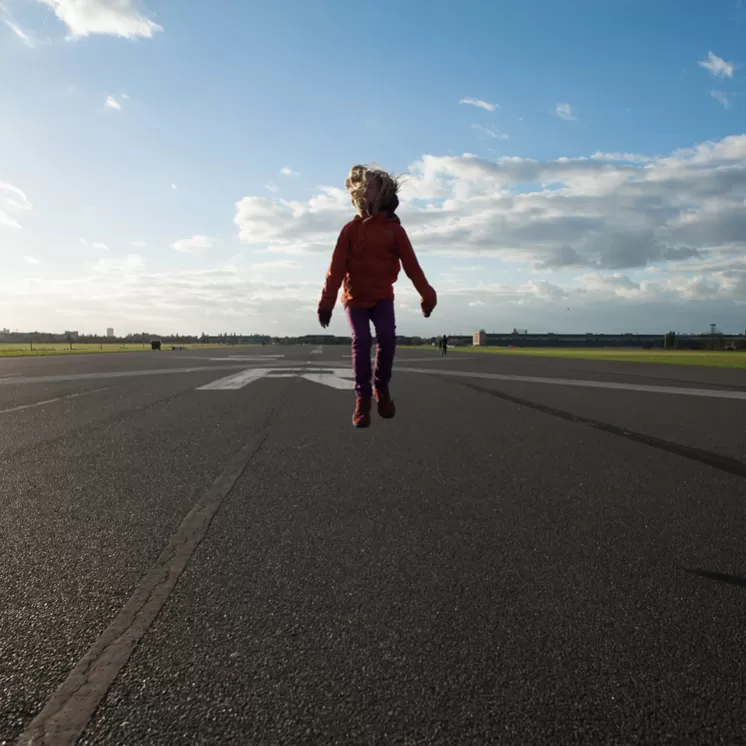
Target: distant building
{"points": [[480, 338], [109, 332], [72, 336], [4, 333]]}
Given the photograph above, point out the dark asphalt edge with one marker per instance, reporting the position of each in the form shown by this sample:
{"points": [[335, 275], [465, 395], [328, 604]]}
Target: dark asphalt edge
{"points": [[67, 713], [707, 458]]}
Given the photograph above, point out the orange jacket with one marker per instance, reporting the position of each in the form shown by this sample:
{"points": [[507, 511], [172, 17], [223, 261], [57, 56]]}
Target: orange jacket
{"points": [[367, 257]]}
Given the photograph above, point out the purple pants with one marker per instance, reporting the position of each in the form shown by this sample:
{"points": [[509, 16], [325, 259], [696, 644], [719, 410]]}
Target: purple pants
{"points": [[384, 321]]}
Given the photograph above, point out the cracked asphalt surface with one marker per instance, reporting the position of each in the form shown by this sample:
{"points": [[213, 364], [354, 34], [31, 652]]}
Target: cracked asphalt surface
{"points": [[505, 562]]}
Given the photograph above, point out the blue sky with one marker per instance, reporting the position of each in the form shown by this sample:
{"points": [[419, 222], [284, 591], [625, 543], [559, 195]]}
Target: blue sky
{"points": [[142, 149]]}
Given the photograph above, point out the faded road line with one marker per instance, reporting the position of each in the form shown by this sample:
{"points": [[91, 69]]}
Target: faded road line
{"points": [[67, 713], [676, 390], [49, 401], [114, 374]]}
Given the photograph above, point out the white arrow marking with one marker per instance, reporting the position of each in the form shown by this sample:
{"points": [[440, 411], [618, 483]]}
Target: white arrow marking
{"points": [[236, 381], [330, 379], [336, 378], [242, 358]]}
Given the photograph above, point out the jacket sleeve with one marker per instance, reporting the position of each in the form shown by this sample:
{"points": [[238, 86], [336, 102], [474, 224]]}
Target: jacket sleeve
{"points": [[412, 268], [336, 272]]}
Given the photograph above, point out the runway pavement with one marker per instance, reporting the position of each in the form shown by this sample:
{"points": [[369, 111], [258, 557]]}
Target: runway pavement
{"points": [[198, 548]]}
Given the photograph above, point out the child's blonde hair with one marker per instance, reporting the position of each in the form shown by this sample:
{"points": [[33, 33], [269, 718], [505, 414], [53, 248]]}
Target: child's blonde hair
{"points": [[357, 182]]}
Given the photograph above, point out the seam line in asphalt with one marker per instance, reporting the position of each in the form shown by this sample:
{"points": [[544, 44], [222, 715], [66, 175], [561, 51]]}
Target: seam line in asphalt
{"points": [[708, 458], [68, 712]]}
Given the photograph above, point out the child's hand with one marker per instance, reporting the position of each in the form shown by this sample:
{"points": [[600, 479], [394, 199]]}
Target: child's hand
{"points": [[325, 318], [428, 305]]}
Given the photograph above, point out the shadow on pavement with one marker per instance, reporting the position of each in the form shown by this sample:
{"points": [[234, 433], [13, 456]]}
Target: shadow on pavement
{"points": [[721, 577]]}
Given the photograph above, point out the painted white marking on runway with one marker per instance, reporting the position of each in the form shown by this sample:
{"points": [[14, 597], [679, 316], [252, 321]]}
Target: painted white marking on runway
{"points": [[316, 351], [16, 380], [429, 359], [244, 358], [336, 378], [21, 407], [30, 406], [681, 391], [236, 381]]}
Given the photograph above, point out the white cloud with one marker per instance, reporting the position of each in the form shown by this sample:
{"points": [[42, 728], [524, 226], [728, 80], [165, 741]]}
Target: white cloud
{"points": [[289, 224], [564, 111], [32, 260], [726, 99], [288, 171], [599, 213], [138, 244], [132, 263], [272, 187], [23, 35], [12, 199], [718, 66], [134, 300], [112, 103], [583, 230], [276, 264], [124, 97], [174, 188], [101, 246], [8, 221], [113, 17], [495, 134], [479, 103], [193, 245], [625, 157]]}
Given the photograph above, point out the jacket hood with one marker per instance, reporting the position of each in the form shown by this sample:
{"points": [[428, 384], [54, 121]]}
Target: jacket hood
{"points": [[391, 207]]}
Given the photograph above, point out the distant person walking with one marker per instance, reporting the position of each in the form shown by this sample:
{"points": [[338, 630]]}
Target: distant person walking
{"points": [[444, 345], [370, 251]]}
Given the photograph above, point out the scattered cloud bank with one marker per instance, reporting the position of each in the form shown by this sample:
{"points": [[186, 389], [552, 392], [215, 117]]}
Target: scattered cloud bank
{"points": [[614, 241], [112, 17], [680, 217]]}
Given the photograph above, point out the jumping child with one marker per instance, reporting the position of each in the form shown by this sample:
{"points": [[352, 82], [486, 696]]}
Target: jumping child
{"points": [[367, 257]]}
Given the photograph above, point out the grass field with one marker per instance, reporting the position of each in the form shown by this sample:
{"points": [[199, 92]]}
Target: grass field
{"points": [[669, 357], [63, 348]]}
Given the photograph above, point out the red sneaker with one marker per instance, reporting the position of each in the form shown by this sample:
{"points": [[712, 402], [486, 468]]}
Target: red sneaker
{"points": [[361, 418], [386, 406]]}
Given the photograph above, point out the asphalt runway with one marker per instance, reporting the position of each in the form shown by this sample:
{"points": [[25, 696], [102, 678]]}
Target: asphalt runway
{"points": [[198, 548]]}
